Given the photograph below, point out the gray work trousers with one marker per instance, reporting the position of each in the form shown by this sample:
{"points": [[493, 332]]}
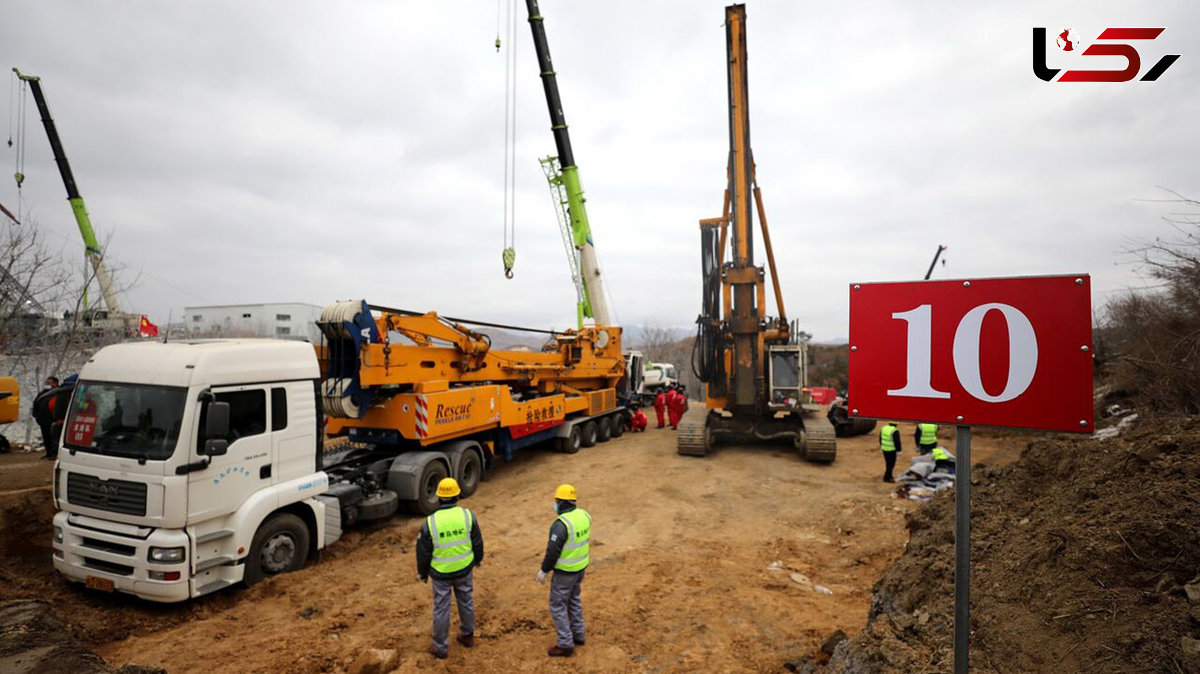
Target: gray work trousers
{"points": [[566, 607], [441, 608]]}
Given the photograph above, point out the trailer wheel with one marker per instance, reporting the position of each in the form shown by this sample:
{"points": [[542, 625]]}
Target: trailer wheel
{"points": [[571, 443], [617, 423], [588, 437], [469, 471], [280, 545], [604, 427], [427, 499]]}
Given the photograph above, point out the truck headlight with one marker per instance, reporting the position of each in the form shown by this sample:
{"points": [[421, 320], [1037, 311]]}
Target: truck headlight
{"points": [[166, 555], [58, 535]]}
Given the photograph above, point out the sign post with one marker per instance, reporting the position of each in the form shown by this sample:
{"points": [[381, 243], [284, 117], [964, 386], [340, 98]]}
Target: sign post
{"points": [[1004, 352], [962, 549]]}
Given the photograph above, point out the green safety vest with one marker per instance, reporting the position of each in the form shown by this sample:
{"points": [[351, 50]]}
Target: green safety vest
{"points": [[450, 530], [928, 433], [940, 454], [574, 555], [885, 438]]}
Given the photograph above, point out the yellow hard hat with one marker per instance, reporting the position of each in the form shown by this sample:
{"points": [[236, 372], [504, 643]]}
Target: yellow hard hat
{"points": [[565, 492], [448, 488]]}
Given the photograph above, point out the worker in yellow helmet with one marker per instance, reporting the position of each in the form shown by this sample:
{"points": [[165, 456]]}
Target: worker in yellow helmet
{"points": [[449, 546], [567, 555]]}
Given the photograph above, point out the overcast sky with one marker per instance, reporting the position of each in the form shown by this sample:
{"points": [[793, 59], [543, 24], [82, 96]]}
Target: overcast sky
{"points": [[245, 152]]}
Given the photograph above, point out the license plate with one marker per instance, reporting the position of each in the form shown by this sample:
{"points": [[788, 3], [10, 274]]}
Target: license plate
{"points": [[97, 583]]}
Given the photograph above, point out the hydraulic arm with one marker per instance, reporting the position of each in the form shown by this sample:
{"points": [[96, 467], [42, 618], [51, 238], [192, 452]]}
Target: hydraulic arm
{"points": [[91, 246]]}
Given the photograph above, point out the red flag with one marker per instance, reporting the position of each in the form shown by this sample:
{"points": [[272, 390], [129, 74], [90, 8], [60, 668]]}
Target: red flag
{"points": [[147, 329]]}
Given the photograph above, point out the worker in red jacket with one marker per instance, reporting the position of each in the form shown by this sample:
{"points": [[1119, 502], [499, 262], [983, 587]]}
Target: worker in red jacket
{"points": [[640, 421], [660, 406], [681, 401], [673, 407]]}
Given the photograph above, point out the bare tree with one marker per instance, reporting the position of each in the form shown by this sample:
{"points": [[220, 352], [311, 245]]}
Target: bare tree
{"points": [[45, 328], [1155, 333], [656, 340]]}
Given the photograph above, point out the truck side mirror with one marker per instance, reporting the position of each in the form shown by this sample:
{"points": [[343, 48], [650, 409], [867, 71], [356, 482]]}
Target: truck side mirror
{"points": [[216, 428], [216, 447]]}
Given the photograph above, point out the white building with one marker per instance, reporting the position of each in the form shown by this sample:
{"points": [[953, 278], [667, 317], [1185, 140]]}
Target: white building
{"points": [[288, 320]]}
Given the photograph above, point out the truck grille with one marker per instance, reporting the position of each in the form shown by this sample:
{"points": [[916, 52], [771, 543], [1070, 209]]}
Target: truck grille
{"points": [[108, 546], [118, 496], [108, 567]]}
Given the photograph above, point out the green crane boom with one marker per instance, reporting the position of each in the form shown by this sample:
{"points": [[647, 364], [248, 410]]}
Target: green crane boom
{"points": [[91, 246], [565, 185]]}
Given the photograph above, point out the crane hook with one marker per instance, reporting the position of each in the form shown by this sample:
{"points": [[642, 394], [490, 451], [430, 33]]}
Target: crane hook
{"points": [[510, 257]]}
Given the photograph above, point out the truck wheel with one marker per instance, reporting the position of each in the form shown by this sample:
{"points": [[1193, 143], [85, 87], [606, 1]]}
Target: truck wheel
{"points": [[588, 437], [427, 499], [571, 443], [469, 471], [604, 429], [617, 423], [280, 545], [4, 446]]}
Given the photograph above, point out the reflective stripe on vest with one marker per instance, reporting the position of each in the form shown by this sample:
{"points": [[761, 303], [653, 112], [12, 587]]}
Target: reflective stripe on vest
{"points": [[928, 433], [940, 454], [885, 438], [574, 555], [450, 531]]}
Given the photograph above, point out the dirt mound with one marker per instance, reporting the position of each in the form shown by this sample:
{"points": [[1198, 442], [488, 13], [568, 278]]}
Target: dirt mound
{"points": [[1080, 554]]}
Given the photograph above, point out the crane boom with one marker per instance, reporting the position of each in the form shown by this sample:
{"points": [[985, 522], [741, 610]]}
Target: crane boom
{"points": [[91, 246], [594, 301], [934, 263]]}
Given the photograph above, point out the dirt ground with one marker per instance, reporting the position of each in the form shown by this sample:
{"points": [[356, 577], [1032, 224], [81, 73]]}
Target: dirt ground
{"points": [[23, 470], [681, 578]]}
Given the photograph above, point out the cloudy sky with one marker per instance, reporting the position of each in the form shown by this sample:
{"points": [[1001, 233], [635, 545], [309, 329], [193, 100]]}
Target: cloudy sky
{"points": [[244, 152]]}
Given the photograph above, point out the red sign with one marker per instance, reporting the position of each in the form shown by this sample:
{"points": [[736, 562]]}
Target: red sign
{"points": [[1013, 352], [81, 430]]}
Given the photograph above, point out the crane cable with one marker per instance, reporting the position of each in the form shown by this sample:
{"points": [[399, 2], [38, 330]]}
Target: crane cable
{"points": [[18, 110], [509, 256]]}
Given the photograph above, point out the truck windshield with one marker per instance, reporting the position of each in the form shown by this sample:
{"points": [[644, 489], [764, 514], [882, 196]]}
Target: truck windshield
{"points": [[131, 420]]}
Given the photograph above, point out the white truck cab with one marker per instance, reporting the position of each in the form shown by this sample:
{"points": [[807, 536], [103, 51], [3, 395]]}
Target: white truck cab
{"points": [[186, 467]]}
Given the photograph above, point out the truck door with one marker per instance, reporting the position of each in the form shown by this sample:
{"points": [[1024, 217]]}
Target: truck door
{"points": [[245, 467], [294, 430]]}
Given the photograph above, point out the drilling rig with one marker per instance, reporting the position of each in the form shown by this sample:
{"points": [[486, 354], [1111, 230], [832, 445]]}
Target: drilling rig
{"points": [[754, 366]]}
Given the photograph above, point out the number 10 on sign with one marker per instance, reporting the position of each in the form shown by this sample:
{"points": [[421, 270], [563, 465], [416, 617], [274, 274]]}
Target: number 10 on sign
{"points": [[1013, 352]]}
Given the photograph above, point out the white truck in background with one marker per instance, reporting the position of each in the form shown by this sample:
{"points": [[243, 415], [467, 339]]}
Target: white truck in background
{"points": [[645, 379], [659, 376]]}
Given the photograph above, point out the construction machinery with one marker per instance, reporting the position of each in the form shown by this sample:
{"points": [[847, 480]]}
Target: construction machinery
{"points": [[753, 365], [933, 264], [645, 379], [563, 177], [111, 318], [10, 407], [187, 467]]}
